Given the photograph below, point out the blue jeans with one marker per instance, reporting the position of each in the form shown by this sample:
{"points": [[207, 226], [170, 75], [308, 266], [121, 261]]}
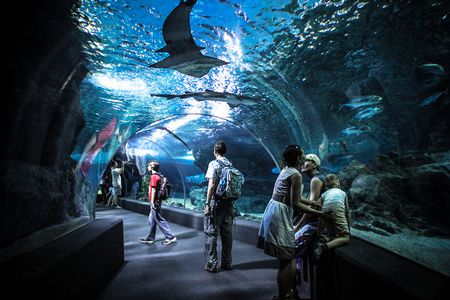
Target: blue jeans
{"points": [[155, 218]]}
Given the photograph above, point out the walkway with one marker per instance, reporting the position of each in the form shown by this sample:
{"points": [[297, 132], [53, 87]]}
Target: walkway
{"points": [[159, 272]]}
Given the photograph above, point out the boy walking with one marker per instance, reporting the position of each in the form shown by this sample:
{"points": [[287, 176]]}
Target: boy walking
{"points": [[155, 218]]}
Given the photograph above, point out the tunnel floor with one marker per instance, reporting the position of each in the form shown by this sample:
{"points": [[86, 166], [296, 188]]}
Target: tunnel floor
{"points": [[175, 271]]}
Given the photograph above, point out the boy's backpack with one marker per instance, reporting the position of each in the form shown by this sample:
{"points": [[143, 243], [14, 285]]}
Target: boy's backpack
{"points": [[164, 188], [230, 183]]}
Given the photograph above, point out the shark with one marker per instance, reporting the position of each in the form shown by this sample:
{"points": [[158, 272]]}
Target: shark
{"points": [[233, 100], [185, 56]]}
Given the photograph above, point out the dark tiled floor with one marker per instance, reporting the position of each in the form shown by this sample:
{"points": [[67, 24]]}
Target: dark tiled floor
{"points": [[156, 271]]}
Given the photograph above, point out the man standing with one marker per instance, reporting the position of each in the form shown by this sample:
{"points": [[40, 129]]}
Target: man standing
{"points": [[116, 182], [219, 214], [155, 218], [313, 187]]}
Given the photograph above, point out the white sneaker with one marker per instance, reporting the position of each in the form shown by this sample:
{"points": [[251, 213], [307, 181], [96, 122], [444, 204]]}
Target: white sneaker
{"points": [[169, 241], [146, 241]]}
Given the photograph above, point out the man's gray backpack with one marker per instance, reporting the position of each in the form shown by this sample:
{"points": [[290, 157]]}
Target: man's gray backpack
{"points": [[230, 183]]}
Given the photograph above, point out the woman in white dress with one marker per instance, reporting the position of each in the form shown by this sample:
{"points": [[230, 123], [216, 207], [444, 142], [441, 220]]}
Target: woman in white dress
{"points": [[276, 233]]}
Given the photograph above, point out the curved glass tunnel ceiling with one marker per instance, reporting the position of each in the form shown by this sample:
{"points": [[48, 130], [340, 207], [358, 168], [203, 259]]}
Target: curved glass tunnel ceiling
{"points": [[184, 144], [123, 37], [176, 138]]}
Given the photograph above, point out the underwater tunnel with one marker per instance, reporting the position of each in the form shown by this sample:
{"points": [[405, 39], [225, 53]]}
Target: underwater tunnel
{"points": [[361, 84]]}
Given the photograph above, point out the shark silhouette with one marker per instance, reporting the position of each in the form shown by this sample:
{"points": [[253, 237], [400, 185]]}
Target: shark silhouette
{"points": [[232, 100], [185, 55]]}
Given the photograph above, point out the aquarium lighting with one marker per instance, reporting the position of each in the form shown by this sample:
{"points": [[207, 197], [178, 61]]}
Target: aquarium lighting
{"points": [[119, 84]]}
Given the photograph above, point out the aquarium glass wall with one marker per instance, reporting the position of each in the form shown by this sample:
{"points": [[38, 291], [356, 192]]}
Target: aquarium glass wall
{"points": [[362, 84]]}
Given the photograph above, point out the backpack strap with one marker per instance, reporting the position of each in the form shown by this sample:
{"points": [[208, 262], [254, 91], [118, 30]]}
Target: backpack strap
{"points": [[160, 177], [222, 164]]}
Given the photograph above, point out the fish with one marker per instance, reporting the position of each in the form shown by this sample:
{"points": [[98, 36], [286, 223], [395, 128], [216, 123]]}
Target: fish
{"points": [[361, 102], [195, 179], [433, 69], [233, 100], [185, 56], [368, 113], [433, 98], [354, 130]]}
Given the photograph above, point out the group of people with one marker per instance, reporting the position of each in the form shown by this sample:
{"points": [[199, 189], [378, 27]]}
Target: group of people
{"points": [[111, 183], [218, 214], [287, 212]]}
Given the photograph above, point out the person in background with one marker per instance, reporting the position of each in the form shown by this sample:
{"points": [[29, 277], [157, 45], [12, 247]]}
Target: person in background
{"points": [[132, 174], [276, 233], [219, 215], [335, 231], [313, 187], [307, 226], [103, 191], [116, 182], [155, 217]]}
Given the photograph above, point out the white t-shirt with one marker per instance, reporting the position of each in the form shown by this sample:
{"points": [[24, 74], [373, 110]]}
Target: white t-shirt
{"points": [[333, 198], [115, 174], [215, 169]]}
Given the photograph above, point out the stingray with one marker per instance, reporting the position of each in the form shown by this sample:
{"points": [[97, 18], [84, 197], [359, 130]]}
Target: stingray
{"points": [[185, 55], [232, 100]]}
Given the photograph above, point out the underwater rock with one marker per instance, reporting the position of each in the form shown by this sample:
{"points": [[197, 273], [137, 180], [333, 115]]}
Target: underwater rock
{"points": [[429, 187], [198, 195], [45, 195], [379, 231], [389, 196], [413, 158], [387, 226], [255, 204], [362, 186], [434, 231], [350, 172], [361, 226]]}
